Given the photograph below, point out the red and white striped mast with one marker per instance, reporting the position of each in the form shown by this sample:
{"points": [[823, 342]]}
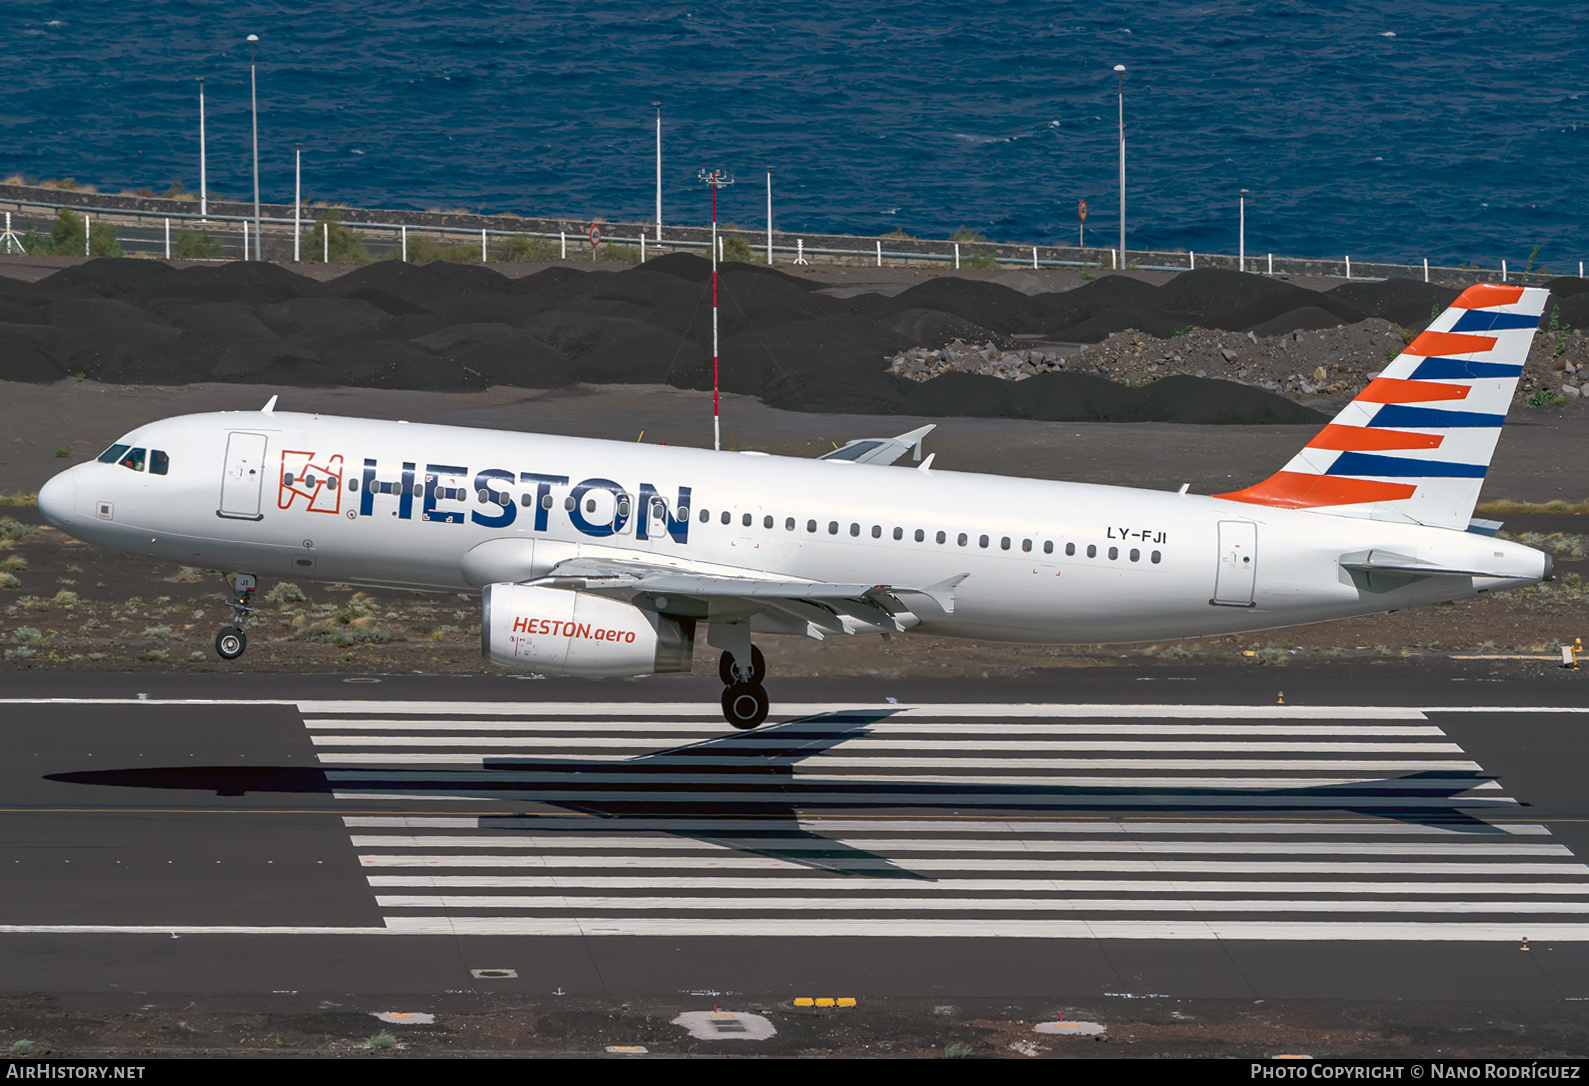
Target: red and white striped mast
{"points": [[716, 179]]}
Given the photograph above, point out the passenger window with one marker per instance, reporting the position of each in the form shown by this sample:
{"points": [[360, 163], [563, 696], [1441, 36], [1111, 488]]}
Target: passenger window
{"points": [[920, 535], [684, 511], [982, 541], [1114, 552], [833, 527], [1070, 550], [159, 463], [855, 529], [941, 537], [113, 454], [706, 515], [788, 525], [1136, 555], [899, 533], [353, 484], [569, 503], [133, 460], [1092, 551], [962, 538], [590, 504], [419, 490], [1154, 557], [1026, 544], [1004, 544], [745, 520], [877, 531], [766, 522], [524, 499], [811, 526], [726, 517], [1048, 546]]}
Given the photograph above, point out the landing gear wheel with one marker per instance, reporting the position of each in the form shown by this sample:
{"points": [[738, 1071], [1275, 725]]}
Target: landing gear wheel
{"points": [[745, 705], [230, 643], [758, 667]]}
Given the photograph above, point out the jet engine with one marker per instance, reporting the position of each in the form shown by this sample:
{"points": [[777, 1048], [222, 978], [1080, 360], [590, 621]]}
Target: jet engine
{"points": [[557, 631]]}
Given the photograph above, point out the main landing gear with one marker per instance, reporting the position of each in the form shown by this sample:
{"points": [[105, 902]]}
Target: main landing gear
{"points": [[232, 641], [745, 702]]}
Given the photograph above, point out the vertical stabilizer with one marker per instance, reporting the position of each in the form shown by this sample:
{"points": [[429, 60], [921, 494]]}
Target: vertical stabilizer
{"points": [[1415, 444]]}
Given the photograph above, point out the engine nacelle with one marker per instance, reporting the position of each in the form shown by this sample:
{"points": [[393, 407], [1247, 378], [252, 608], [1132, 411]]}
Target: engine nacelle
{"points": [[559, 632]]}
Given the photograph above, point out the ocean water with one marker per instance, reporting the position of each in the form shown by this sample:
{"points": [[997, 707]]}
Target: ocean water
{"points": [[1391, 130]]}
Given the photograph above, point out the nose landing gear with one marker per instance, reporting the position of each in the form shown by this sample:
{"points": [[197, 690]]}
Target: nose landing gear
{"points": [[231, 642]]}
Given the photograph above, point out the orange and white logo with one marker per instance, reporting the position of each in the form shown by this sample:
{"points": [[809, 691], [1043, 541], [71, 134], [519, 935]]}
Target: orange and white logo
{"points": [[317, 483]]}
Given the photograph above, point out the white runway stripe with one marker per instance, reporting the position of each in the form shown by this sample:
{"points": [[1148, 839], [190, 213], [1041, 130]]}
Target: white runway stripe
{"points": [[1053, 872], [827, 826], [960, 711], [981, 863], [741, 906], [512, 774], [886, 846], [996, 928], [858, 885], [609, 733], [1277, 765]]}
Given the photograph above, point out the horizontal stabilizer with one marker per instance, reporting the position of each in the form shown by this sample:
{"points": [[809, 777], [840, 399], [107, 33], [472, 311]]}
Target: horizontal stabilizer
{"points": [[881, 451], [1391, 562]]}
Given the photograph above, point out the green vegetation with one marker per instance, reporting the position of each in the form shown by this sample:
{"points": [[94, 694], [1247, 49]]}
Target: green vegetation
{"points": [[957, 1051], [523, 249], [1179, 332], [66, 238], [346, 247], [9, 580], [27, 635], [21, 652], [1558, 331], [197, 246], [984, 261], [1506, 505], [14, 564], [735, 249], [283, 592], [383, 1040], [13, 529], [965, 233], [65, 599], [21, 1048], [1545, 398]]}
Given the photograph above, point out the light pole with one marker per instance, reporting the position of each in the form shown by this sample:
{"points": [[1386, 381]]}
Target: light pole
{"points": [[297, 198], [716, 180], [253, 97], [1241, 243], [1120, 76], [769, 216], [204, 180], [659, 169]]}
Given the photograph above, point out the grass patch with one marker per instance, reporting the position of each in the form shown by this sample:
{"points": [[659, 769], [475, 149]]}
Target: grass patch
{"points": [[9, 580], [13, 529], [20, 499], [21, 652], [28, 635], [65, 599], [284, 592], [1504, 506], [383, 1040]]}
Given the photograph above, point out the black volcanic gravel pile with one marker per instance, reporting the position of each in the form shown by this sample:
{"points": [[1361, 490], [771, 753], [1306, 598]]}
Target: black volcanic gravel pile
{"points": [[451, 327]]}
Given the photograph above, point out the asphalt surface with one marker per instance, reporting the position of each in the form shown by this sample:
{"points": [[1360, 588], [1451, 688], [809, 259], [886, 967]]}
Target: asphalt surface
{"points": [[1366, 840]]}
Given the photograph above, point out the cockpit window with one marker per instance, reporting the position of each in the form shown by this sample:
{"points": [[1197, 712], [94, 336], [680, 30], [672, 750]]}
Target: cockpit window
{"points": [[159, 462], [113, 454], [133, 460]]}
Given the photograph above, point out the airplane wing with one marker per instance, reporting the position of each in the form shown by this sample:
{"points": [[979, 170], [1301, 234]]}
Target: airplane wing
{"points": [[881, 451], [812, 608]]}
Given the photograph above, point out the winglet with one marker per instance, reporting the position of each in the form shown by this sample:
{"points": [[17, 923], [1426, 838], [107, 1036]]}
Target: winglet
{"points": [[270, 407], [926, 465], [943, 593]]}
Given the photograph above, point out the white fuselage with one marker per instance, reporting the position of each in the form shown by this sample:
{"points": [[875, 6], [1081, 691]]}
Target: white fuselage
{"points": [[1062, 563]]}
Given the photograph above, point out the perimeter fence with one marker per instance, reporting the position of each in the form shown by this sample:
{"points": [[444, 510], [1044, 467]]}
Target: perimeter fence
{"points": [[104, 224]]}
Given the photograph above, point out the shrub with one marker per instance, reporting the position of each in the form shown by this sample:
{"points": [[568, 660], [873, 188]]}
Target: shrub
{"points": [[28, 635], [63, 452], [11, 528], [22, 652], [158, 632], [197, 246], [521, 249], [735, 249], [13, 563], [346, 247], [65, 599], [382, 1040], [283, 592], [965, 233], [984, 261]]}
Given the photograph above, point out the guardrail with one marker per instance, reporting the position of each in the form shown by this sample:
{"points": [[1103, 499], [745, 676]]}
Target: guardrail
{"points": [[148, 230]]}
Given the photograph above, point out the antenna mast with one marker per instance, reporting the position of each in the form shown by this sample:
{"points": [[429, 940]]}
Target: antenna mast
{"points": [[716, 179]]}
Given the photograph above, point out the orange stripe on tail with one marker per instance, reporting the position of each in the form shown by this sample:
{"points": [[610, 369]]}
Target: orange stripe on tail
{"points": [[1392, 390], [1364, 439], [1485, 295], [1435, 344], [1295, 490]]}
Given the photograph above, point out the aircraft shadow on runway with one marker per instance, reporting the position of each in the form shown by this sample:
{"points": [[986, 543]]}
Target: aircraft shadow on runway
{"points": [[677, 783]]}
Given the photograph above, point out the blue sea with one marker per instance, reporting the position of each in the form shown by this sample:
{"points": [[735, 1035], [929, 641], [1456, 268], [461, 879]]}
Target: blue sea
{"points": [[1389, 130]]}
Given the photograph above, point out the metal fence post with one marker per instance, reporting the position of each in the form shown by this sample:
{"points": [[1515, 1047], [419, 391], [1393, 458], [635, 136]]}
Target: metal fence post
{"points": [[245, 239], [1034, 258], [482, 245], [1271, 263], [879, 254], [168, 239], [957, 256], [1348, 267], [86, 237], [1426, 269], [1503, 271], [1192, 255], [404, 229], [325, 240], [1114, 259], [564, 235], [642, 247]]}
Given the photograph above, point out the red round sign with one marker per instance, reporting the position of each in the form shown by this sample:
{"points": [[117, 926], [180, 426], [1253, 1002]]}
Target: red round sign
{"points": [[1081, 210], [595, 235]]}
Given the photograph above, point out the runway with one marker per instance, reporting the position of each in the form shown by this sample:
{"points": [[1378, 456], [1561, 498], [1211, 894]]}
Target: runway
{"points": [[1019, 842]]}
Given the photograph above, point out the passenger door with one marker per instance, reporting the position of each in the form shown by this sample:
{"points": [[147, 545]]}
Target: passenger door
{"points": [[244, 480], [1238, 563]]}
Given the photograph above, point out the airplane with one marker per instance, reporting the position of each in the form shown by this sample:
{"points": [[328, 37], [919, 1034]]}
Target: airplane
{"points": [[606, 558]]}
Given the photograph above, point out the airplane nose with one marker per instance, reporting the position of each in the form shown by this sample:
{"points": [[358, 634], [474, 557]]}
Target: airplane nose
{"points": [[58, 498]]}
